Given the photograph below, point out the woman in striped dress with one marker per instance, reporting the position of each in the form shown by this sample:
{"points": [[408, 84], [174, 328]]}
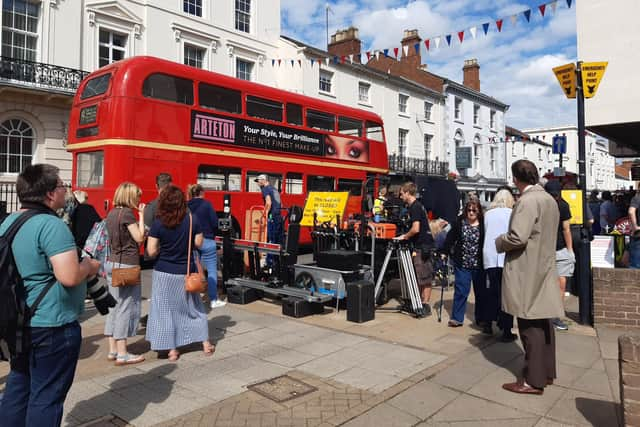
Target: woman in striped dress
{"points": [[176, 317]]}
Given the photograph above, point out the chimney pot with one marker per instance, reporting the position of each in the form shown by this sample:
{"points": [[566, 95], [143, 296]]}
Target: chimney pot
{"points": [[471, 74]]}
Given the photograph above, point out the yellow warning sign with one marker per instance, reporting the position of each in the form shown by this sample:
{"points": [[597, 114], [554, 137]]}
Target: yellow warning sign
{"points": [[566, 75], [592, 73], [574, 199], [326, 205]]}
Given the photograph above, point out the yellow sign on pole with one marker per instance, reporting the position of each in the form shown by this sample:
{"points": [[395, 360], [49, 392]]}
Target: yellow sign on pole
{"points": [[574, 199], [566, 75], [592, 73], [326, 205]]}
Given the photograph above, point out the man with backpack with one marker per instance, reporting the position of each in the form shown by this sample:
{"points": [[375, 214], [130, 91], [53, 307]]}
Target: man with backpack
{"points": [[52, 283]]}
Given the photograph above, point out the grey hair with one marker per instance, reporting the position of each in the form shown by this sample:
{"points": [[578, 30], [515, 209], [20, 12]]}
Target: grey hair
{"points": [[502, 199]]}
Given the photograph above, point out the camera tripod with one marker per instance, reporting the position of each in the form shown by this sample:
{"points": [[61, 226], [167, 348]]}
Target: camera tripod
{"points": [[411, 301]]}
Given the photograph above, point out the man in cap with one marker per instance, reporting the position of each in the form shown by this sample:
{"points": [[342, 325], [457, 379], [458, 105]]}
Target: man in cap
{"points": [[565, 258], [271, 198]]}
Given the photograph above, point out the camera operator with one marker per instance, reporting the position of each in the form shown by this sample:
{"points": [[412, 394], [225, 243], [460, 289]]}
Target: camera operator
{"points": [[420, 237]]}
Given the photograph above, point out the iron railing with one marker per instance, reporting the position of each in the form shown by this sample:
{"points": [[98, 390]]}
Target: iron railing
{"points": [[8, 198], [412, 165], [40, 75]]}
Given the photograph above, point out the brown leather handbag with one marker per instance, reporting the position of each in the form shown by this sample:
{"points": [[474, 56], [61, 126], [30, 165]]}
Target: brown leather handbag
{"points": [[128, 276], [194, 282]]}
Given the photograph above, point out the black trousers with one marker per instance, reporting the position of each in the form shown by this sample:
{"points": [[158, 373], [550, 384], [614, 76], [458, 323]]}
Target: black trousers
{"points": [[493, 300], [539, 343]]}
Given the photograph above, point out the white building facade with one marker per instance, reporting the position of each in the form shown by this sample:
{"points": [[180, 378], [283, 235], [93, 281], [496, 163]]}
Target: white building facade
{"points": [[600, 165], [48, 46], [538, 151]]}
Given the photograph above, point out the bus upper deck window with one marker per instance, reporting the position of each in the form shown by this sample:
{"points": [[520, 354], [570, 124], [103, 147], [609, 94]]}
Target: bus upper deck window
{"points": [[168, 88], [264, 108], [294, 114], [349, 126], [96, 86], [374, 131], [220, 98], [321, 120]]}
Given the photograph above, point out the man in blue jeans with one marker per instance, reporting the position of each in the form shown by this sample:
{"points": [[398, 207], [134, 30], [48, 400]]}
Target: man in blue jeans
{"points": [[44, 250], [634, 242], [272, 205]]}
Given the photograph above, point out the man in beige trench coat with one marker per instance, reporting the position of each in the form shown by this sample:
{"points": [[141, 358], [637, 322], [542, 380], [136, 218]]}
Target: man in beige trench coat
{"points": [[530, 279]]}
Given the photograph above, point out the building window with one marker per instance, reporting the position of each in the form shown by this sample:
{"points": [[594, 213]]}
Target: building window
{"points": [[402, 141], [494, 151], [513, 149], [16, 145], [539, 153], [476, 115], [427, 110], [112, 47], [427, 146], [20, 29], [492, 119], [457, 109], [363, 92], [244, 69], [403, 100], [477, 149], [325, 81], [193, 56], [243, 15], [192, 7]]}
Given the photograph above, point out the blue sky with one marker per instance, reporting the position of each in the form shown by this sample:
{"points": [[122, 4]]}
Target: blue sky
{"points": [[515, 63]]}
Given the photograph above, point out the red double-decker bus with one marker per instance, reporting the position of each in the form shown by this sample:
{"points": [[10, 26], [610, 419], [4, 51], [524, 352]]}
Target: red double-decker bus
{"points": [[141, 116]]}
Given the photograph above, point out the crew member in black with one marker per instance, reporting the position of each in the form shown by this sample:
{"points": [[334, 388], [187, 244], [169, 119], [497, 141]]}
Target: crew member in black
{"points": [[420, 236]]}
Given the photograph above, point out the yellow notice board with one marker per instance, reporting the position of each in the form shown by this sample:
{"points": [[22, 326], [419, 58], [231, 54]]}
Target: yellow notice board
{"points": [[574, 198], [326, 205]]}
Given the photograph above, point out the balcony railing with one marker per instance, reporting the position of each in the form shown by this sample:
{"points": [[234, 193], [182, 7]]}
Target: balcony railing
{"points": [[36, 74], [411, 165]]}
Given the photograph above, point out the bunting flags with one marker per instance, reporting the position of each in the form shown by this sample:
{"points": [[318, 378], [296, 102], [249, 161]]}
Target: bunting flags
{"points": [[432, 43]]}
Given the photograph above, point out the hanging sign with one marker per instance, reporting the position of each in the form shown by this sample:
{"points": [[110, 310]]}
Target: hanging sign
{"points": [[592, 73], [566, 75]]}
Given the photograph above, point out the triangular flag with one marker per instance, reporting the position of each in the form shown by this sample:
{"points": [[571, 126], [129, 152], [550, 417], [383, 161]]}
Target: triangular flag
{"points": [[437, 40], [472, 31], [312, 61], [527, 14], [461, 35], [499, 25], [335, 59], [377, 53], [542, 8], [569, 4], [279, 61], [368, 56], [514, 19], [273, 62], [395, 52], [293, 62], [300, 62], [359, 57], [343, 59], [554, 5], [448, 37], [386, 52], [327, 60], [351, 58], [426, 44], [405, 50], [485, 28], [417, 48]]}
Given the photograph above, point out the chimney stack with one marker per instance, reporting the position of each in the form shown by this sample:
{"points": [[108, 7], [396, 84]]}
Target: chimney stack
{"points": [[471, 73], [345, 43], [410, 39]]}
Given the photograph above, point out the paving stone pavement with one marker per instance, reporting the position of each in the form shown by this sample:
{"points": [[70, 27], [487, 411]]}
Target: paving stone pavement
{"points": [[374, 374]]}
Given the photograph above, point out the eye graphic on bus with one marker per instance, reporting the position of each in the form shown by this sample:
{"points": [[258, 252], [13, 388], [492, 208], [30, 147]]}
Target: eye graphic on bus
{"points": [[342, 148]]}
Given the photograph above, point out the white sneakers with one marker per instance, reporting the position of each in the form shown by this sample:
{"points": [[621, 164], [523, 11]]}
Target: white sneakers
{"points": [[218, 303]]}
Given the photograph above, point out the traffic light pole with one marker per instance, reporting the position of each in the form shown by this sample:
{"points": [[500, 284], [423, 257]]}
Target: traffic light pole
{"points": [[584, 260]]}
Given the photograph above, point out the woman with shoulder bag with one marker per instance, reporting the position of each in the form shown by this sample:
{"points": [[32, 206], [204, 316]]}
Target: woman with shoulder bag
{"points": [[126, 233], [177, 317]]}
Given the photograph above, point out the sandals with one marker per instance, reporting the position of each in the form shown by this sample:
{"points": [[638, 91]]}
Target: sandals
{"points": [[174, 355], [208, 348], [129, 359]]}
